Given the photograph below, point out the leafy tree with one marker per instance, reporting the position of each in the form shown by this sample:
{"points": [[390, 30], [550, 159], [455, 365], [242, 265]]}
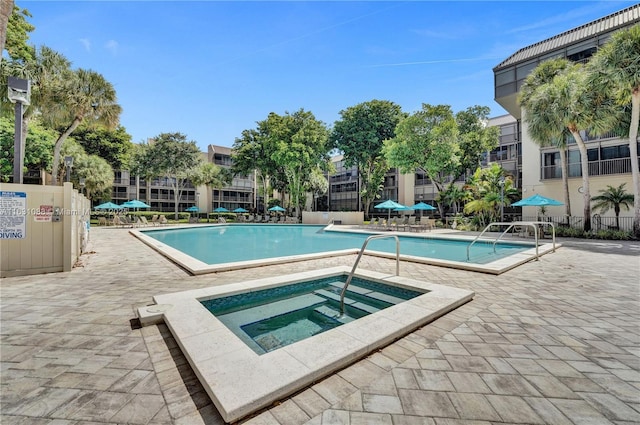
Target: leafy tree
{"points": [[475, 139], [17, 32], [251, 153], [39, 147], [139, 165], [114, 145], [170, 155], [6, 8], [615, 69], [427, 139], [360, 134], [615, 198], [96, 172], [318, 184], [540, 116], [299, 145], [86, 95]]}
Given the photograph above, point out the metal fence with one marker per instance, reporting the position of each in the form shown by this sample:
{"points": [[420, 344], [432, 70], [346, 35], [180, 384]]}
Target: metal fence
{"points": [[598, 222]]}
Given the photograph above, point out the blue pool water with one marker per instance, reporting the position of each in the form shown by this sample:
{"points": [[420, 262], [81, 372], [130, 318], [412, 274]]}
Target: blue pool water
{"points": [[272, 318], [228, 244]]}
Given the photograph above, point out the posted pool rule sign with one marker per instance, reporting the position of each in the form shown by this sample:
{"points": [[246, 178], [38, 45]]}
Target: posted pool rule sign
{"points": [[13, 215]]}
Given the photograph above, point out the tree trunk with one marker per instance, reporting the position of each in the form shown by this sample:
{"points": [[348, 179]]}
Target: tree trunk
{"points": [[176, 198], [584, 166], [565, 183], [58, 147], [6, 9], [633, 150]]}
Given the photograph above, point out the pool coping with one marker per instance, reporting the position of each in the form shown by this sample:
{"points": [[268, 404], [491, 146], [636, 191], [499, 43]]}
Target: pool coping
{"points": [[240, 382], [197, 267]]}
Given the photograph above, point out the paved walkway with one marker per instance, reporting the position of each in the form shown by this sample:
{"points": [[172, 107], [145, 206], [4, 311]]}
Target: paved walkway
{"points": [[555, 341]]}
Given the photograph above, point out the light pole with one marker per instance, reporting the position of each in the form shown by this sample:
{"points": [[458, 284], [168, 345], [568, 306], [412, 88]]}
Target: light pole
{"points": [[68, 164], [19, 92], [501, 183]]}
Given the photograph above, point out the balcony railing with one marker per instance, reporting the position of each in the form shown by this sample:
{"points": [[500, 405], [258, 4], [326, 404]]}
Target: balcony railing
{"points": [[596, 168]]}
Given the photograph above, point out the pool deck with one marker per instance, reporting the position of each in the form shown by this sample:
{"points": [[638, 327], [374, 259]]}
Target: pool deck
{"points": [[554, 341]]}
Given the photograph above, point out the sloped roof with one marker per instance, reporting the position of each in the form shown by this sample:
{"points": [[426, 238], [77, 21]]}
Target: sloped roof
{"points": [[606, 24]]}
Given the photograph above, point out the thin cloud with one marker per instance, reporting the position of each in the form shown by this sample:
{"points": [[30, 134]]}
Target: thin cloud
{"points": [[432, 62], [86, 43], [112, 46]]}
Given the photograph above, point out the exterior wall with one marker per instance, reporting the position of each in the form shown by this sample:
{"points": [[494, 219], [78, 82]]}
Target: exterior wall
{"points": [[324, 217], [49, 246], [552, 188], [406, 187]]}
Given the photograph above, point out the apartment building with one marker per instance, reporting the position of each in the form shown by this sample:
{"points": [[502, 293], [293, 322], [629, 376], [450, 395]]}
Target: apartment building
{"points": [[609, 159], [534, 169]]}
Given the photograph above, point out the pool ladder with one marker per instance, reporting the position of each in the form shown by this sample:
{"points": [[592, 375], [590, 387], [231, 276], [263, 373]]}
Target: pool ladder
{"points": [[355, 265], [533, 224]]}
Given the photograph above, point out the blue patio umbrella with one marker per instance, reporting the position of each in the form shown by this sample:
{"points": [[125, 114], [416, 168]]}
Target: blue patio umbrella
{"points": [[240, 210], [423, 206], [221, 209], [107, 206], [389, 205], [135, 204], [277, 208], [404, 208], [536, 201], [193, 209]]}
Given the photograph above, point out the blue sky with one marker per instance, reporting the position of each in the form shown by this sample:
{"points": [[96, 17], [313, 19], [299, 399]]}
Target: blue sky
{"points": [[210, 69]]}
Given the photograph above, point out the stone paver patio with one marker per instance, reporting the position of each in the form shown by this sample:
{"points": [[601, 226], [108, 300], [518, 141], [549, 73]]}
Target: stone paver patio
{"points": [[555, 341]]}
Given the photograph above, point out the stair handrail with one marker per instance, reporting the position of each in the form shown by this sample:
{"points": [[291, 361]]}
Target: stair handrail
{"points": [[355, 265], [533, 224]]}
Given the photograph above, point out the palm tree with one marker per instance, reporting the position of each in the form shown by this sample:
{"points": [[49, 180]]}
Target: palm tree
{"points": [[46, 71], [615, 198], [540, 117], [569, 107], [615, 68], [85, 96], [491, 190]]}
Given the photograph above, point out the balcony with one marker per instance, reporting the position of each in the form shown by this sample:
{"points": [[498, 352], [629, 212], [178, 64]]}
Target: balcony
{"points": [[596, 168]]}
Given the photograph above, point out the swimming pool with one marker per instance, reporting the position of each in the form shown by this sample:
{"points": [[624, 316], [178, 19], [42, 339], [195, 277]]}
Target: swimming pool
{"points": [[239, 381], [204, 249], [274, 318]]}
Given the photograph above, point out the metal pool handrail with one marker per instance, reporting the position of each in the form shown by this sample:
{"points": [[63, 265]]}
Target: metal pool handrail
{"points": [[355, 265], [532, 224]]}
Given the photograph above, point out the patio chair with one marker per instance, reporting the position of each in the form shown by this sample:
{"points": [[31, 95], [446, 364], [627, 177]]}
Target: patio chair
{"points": [[373, 223], [163, 220], [222, 220], [154, 220], [144, 221], [404, 223], [102, 221]]}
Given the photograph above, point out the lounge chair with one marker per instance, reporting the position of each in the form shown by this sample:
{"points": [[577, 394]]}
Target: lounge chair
{"points": [[163, 220], [102, 221], [144, 221], [404, 223], [154, 220], [222, 220], [373, 224]]}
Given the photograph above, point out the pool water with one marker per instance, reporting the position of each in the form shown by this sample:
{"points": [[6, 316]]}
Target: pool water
{"points": [[235, 243], [273, 318]]}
